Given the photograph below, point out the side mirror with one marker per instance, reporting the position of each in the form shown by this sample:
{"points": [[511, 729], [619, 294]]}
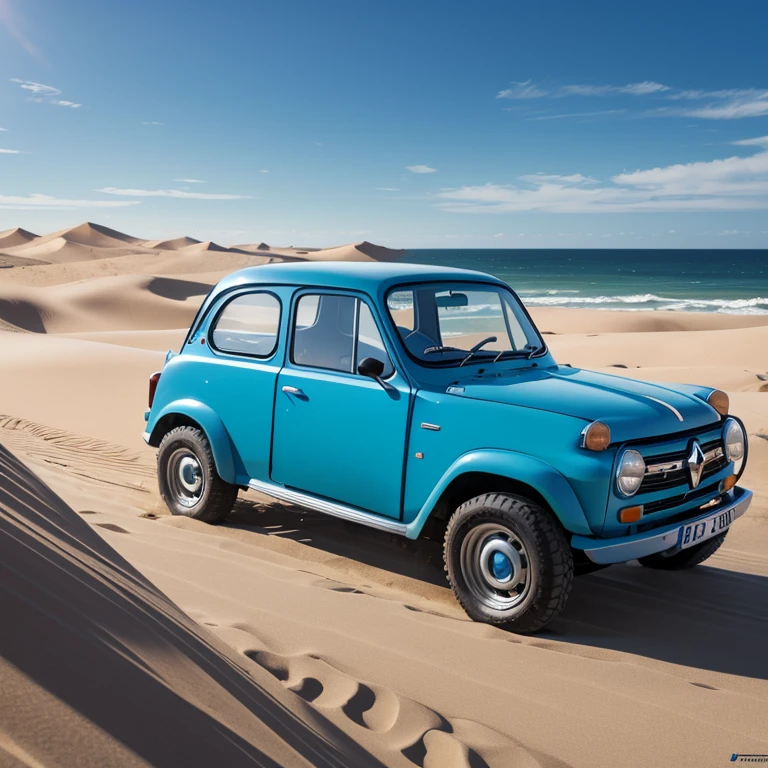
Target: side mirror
{"points": [[371, 367]]}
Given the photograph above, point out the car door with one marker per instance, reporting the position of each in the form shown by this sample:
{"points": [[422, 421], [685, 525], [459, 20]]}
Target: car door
{"points": [[237, 370], [338, 434]]}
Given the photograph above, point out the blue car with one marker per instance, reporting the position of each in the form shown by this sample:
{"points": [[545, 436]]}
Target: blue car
{"points": [[423, 401]]}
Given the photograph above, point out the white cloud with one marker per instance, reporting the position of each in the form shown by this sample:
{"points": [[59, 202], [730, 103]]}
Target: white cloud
{"points": [[44, 93], [387, 189], [758, 142], [191, 181], [11, 152], [524, 90], [722, 104], [734, 183], [636, 89], [578, 114], [731, 232], [264, 171], [723, 93], [726, 104], [554, 178], [420, 169], [41, 91], [3, 130], [151, 122], [734, 109], [175, 193], [36, 202]]}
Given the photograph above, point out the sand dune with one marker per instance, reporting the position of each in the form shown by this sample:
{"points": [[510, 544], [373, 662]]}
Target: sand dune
{"points": [[60, 250], [105, 303], [252, 247], [364, 251], [94, 235], [105, 670], [11, 238], [171, 245]]}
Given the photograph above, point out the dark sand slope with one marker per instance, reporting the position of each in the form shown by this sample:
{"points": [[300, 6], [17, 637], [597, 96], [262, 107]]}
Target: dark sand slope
{"points": [[97, 667]]}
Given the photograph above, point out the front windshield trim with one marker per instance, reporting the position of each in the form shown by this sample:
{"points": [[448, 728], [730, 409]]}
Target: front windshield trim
{"points": [[501, 287]]}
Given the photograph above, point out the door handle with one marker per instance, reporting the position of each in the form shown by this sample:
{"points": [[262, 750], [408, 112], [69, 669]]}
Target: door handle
{"points": [[293, 391]]}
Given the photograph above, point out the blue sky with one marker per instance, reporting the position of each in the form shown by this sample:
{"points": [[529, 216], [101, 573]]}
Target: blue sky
{"points": [[413, 124]]}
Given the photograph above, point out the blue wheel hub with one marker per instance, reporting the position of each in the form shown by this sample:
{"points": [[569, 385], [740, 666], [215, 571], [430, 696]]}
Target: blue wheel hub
{"points": [[500, 566]]}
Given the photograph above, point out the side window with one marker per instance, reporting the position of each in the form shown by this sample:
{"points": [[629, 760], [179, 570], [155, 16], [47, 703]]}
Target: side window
{"points": [[369, 341], [324, 332], [248, 325]]}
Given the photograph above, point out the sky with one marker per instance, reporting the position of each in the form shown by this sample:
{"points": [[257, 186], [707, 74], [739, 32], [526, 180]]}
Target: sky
{"points": [[428, 124]]}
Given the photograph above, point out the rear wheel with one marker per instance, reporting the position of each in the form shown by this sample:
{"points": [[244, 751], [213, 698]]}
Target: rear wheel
{"points": [[688, 558], [508, 562], [188, 480]]}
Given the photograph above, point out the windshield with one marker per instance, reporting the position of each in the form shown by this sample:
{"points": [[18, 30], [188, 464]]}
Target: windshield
{"points": [[457, 323]]}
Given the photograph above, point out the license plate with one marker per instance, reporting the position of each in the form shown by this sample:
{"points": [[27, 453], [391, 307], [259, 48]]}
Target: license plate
{"points": [[695, 533]]}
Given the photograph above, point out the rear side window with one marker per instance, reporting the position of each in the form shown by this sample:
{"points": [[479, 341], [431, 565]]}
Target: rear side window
{"points": [[248, 325]]}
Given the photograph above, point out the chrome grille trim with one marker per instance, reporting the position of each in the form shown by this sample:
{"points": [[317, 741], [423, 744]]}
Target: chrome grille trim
{"points": [[676, 466]]}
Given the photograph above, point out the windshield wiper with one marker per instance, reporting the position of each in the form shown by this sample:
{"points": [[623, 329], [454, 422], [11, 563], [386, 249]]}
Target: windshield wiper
{"points": [[528, 351], [477, 348], [440, 348]]}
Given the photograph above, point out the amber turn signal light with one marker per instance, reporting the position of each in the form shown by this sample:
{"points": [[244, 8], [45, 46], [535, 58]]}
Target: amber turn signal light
{"points": [[630, 514], [596, 437], [719, 401], [728, 483]]}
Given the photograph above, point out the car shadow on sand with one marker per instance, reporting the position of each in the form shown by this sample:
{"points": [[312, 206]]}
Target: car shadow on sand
{"points": [[709, 617]]}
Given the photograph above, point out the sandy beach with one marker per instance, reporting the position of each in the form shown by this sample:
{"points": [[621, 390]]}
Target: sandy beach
{"points": [[131, 637]]}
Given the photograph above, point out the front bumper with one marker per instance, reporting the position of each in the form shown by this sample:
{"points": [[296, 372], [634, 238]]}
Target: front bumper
{"points": [[625, 548]]}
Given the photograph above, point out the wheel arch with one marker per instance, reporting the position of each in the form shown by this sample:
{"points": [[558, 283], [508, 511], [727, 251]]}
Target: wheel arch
{"points": [[502, 471], [192, 413]]}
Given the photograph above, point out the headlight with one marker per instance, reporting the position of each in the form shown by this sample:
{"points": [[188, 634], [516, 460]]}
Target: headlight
{"points": [[719, 401], [734, 441], [596, 436], [630, 473]]}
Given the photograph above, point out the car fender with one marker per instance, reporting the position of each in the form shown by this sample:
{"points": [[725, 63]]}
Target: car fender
{"points": [[543, 477], [218, 437]]}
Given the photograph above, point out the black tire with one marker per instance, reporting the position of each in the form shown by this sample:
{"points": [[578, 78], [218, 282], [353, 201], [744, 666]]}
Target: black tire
{"points": [[187, 449], [541, 543], [687, 558]]}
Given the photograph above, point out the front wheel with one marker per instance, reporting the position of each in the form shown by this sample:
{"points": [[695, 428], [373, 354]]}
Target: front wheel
{"points": [[188, 480], [508, 561], [687, 558]]}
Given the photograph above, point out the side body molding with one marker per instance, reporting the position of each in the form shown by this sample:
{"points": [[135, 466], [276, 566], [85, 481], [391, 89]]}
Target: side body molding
{"points": [[211, 424], [536, 473]]}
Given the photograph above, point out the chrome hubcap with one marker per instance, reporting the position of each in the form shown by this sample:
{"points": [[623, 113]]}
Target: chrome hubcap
{"points": [[190, 475], [496, 567], [185, 477]]}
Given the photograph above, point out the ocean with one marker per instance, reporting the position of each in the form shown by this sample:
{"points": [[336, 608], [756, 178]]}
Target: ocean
{"points": [[726, 281]]}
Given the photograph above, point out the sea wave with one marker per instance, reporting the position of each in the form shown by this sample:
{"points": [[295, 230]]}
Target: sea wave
{"points": [[649, 301]]}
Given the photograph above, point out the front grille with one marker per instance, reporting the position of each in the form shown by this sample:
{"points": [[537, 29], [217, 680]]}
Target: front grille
{"points": [[675, 501], [680, 517], [677, 471]]}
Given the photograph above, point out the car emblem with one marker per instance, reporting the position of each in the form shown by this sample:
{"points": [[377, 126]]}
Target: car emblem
{"points": [[695, 463]]}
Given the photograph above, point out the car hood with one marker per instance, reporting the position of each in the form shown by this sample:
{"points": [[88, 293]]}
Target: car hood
{"points": [[632, 409]]}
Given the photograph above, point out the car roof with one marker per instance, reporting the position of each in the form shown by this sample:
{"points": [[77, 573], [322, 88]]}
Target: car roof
{"points": [[367, 276]]}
